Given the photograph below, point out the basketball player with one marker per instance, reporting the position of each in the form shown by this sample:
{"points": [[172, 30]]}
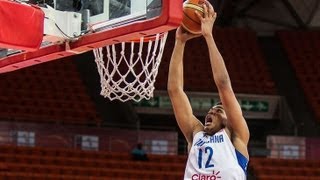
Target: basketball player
{"points": [[217, 149]]}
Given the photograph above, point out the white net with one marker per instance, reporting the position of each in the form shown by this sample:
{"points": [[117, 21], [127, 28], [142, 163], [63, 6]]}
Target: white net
{"points": [[128, 70]]}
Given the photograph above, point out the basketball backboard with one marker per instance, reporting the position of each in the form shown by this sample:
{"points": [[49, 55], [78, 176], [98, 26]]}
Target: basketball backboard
{"points": [[104, 22], [110, 12]]}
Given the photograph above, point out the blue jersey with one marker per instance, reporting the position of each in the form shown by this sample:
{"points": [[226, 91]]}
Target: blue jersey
{"points": [[215, 158]]}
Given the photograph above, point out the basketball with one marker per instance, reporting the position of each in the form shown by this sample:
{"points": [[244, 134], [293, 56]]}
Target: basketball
{"points": [[191, 21]]}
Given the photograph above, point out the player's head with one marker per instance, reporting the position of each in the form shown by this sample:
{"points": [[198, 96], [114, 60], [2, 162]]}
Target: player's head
{"points": [[215, 120]]}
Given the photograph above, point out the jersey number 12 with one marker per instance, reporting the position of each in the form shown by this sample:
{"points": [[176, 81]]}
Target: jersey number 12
{"points": [[206, 150]]}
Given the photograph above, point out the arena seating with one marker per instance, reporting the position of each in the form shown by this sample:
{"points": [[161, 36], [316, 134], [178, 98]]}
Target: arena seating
{"points": [[284, 169], [50, 92], [302, 48], [243, 57], [46, 163]]}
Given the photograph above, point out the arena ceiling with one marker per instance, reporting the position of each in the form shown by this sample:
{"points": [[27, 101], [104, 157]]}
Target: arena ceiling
{"points": [[267, 16]]}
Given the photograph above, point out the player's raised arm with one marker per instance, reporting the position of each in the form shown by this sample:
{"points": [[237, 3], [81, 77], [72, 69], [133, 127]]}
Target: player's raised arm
{"points": [[236, 122], [187, 122]]}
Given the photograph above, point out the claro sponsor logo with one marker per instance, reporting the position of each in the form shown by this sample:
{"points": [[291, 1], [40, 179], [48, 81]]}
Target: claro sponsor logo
{"points": [[214, 176]]}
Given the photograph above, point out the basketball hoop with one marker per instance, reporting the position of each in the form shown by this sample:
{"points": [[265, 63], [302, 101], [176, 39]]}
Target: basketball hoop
{"points": [[129, 69]]}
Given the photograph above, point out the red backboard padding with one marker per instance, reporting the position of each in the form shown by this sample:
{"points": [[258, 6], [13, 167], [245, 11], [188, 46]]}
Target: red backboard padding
{"points": [[21, 26], [169, 19]]}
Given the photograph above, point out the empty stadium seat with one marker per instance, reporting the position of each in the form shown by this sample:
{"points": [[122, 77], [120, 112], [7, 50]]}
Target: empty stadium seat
{"points": [[302, 49], [50, 92], [284, 169], [34, 163]]}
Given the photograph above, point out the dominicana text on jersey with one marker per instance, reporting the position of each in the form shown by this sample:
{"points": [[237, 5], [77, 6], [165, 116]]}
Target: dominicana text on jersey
{"points": [[215, 158]]}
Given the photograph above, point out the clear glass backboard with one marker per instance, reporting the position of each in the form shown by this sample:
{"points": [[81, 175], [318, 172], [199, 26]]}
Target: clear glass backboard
{"points": [[108, 13]]}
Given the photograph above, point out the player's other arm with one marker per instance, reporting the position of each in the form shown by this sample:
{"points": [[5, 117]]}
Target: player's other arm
{"points": [[187, 122], [236, 121], [231, 106]]}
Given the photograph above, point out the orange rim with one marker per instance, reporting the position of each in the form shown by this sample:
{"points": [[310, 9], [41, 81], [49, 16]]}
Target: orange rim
{"points": [[148, 38]]}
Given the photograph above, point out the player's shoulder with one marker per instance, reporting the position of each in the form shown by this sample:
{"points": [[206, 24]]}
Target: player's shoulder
{"points": [[197, 130], [198, 133], [228, 131]]}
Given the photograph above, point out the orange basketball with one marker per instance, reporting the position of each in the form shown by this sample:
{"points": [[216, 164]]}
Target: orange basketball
{"points": [[191, 21]]}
